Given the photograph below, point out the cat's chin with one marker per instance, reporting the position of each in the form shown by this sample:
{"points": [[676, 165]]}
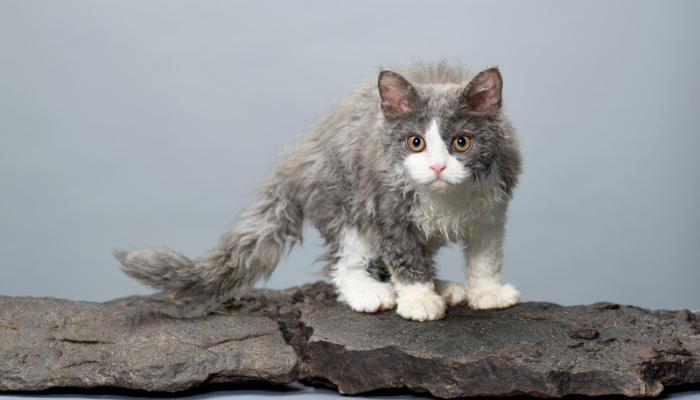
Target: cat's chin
{"points": [[439, 186]]}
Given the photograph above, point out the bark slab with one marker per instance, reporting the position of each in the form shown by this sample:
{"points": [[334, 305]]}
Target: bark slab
{"points": [[48, 343], [158, 343]]}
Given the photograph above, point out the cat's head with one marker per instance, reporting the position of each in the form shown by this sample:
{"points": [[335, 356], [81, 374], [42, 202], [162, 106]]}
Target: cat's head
{"points": [[442, 135]]}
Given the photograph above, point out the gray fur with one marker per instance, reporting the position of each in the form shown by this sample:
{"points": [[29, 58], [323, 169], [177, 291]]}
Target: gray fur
{"points": [[341, 174]]}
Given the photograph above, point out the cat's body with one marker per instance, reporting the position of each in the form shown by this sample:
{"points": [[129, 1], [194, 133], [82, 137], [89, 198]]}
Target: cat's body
{"points": [[390, 174]]}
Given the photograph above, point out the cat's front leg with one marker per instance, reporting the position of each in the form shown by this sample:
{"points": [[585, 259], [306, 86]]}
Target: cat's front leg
{"points": [[412, 276], [484, 258], [492, 295], [419, 301]]}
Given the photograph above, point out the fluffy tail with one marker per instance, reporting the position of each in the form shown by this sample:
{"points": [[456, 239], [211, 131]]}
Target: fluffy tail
{"points": [[243, 256]]}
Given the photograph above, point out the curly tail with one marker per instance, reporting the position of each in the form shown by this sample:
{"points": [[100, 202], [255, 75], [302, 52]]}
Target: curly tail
{"points": [[244, 255]]}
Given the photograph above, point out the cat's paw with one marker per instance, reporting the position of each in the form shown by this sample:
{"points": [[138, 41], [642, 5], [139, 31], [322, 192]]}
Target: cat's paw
{"points": [[419, 302], [493, 296], [370, 297], [454, 293]]}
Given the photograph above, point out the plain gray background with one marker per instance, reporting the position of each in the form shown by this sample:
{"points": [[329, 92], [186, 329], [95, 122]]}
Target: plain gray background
{"points": [[130, 124]]}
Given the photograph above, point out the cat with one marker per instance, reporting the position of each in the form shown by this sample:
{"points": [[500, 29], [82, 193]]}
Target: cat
{"points": [[392, 172]]}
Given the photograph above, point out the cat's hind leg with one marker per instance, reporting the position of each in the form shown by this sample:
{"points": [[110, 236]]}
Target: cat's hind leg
{"points": [[352, 280], [454, 293]]}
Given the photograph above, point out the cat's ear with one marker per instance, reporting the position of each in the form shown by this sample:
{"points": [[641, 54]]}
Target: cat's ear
{"points": [[397, 94], [482, 95]]}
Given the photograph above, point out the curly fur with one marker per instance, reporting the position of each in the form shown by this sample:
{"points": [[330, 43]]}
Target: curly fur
{"points": [[348, 174]]}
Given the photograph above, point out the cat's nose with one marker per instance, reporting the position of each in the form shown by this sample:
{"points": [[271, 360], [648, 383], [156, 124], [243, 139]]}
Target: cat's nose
{"points": [[438, 168]]}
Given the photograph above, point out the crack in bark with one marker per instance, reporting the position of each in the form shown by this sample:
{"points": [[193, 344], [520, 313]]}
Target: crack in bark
{"points": [[82, 341], [78, 364], [238, 339]]}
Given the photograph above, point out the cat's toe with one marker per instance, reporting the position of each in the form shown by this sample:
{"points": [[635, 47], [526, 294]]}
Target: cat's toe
{"points": [[371, 298], [420, 303], [493, 296], [428, 309], [454, 293]]}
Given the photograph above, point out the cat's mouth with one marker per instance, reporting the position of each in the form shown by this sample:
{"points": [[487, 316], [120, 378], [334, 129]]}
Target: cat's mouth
{"points": [[439, 184], [446, 183]]}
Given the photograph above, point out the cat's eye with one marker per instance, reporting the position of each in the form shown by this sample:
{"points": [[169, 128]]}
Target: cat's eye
{"points": [[415, 143], [461, 143]]}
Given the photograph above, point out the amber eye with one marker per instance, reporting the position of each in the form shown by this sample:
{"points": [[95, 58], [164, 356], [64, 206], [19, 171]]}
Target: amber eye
{"points": [[461, 143], [415, 143]]}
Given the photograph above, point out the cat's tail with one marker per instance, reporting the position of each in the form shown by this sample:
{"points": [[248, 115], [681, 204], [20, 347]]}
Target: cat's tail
{"points": [[244, 255]]}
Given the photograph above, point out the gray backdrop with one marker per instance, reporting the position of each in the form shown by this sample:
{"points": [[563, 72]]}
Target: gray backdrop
{"points": [[130, 124]]}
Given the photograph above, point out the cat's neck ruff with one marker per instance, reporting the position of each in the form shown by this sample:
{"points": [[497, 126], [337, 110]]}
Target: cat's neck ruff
{"points": [[446, 213]]}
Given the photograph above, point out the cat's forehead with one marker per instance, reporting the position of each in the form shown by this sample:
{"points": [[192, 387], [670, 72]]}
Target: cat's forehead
{"points": [[437, 89], [440, 98], [441, 104]]}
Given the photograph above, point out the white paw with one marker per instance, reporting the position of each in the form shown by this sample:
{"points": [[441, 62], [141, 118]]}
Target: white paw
{"points": [[419, 302], [454, 293], [371, 297], [492, 296]]}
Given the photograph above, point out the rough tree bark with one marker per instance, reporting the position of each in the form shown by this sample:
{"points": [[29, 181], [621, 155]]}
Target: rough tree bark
{"points": [[157, 343]]}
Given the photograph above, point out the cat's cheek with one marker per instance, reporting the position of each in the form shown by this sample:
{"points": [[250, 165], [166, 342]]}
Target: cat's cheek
{"points": [[418, 170], [399, 170], [456, 173]]}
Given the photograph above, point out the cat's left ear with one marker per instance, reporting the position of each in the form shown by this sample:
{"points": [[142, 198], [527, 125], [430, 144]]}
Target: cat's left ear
{"points": [[482, 95], [397, 94]]}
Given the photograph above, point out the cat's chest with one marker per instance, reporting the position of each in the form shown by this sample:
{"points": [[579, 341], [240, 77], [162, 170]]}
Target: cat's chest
{"points": [[450, 216]]}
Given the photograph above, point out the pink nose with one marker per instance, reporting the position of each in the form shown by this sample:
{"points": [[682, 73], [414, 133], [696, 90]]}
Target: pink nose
{"points": [[438, 169]]}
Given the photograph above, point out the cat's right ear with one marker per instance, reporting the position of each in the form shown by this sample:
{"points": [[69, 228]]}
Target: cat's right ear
{"points": [[482, 95], [397, 94]]}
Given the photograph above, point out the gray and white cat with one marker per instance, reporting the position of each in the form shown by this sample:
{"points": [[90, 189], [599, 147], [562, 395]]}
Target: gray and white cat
{"points": [[391, 173]]}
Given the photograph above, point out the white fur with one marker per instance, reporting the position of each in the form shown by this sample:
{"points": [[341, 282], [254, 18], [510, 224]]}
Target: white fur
{"points": [[484, 258], [495, 295], [451, 213], [419, 302], [352, 281], [454, 293]]}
